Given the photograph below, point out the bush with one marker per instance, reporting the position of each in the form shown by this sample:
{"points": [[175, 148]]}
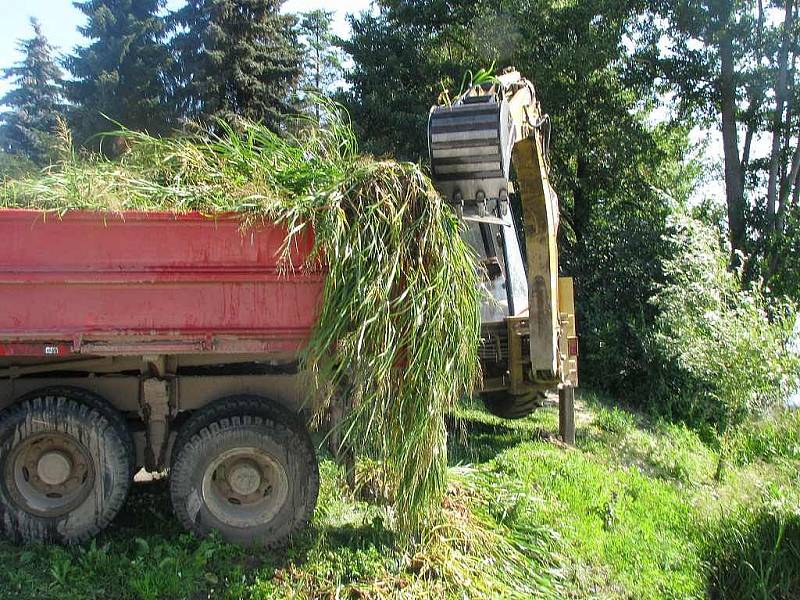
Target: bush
{"points": [[616, 272], [15, 165], [718, 354]]}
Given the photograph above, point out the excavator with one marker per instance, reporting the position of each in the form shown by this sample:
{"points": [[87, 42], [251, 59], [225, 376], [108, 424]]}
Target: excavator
{"points": [[489, 160]]}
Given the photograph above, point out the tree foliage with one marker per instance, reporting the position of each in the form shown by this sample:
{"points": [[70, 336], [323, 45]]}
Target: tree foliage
{"points": [[391, 85], [119, 75], [34, 102], [234, 58], [733, 64], [719, 354]]}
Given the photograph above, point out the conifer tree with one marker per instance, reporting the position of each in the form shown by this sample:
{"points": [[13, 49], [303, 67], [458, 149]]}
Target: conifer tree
{"points": [[34, 102], [235, 58], [322, 58], [121, 74]]}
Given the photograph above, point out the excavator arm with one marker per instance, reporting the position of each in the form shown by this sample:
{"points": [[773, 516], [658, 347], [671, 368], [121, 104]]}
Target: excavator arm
{"points": [[486, 147]]}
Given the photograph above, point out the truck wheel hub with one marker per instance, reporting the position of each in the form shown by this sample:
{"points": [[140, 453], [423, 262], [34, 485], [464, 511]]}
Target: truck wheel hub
{"points": [[54, 467], [49, 474], [245, 487], [244, 478]]}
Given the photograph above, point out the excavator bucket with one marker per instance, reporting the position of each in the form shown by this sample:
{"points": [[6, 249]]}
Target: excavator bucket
{"points": [[470, 146]]}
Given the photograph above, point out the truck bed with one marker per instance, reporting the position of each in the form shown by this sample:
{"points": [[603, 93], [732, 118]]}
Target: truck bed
{"points": [[133, 283]]}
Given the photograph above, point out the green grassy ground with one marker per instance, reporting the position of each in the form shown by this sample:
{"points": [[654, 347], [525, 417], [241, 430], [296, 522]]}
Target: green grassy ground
{"points": [[634, 511]]}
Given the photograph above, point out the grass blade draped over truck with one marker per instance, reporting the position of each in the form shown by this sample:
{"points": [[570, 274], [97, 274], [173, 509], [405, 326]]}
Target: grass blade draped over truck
{"points": [[399, 324]]}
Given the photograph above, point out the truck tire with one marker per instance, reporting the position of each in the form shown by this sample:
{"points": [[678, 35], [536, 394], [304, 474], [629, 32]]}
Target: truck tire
{"points": [[506, 406], [96, 402], [64, 468], [254, 480], [231, 406]]}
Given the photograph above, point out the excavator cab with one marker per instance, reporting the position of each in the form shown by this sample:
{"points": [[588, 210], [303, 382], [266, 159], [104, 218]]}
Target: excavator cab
{"points": [[489, 159]]}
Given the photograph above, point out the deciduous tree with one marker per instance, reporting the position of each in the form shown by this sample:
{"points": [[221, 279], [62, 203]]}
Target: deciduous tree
{"points": [[734, 63]]}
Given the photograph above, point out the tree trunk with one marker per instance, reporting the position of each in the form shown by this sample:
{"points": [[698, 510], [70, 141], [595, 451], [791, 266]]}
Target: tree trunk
{"points": [[730, 144], [777, 119], [780, 217]]}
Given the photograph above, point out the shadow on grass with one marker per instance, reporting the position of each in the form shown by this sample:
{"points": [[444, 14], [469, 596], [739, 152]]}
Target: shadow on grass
{"points": [[148, 516], [355, 537], [148, 513], [476, 437], [756, 556]]}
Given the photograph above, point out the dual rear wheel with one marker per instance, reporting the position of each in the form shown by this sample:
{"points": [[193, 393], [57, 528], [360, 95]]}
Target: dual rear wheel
{"points": [[247, 469], [241, 466]]}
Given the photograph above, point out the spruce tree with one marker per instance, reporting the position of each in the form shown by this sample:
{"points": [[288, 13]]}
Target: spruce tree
{"points": [[26, 129], [322, 64], [235, 58], [121, 74]]}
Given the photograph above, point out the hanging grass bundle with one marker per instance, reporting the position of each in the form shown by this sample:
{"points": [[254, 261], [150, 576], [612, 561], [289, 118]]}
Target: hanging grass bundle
{"points": [[399, 323]]}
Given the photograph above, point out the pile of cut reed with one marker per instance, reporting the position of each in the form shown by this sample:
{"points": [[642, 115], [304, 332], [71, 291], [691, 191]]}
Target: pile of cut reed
{"points": [[399, 323]]}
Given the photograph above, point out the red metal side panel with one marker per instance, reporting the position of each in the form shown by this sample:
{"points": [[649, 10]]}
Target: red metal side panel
{"points": [[104, 283]]}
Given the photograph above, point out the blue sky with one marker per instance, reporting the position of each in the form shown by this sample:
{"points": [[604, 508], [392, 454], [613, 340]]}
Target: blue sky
{"points": [[60, 20]]}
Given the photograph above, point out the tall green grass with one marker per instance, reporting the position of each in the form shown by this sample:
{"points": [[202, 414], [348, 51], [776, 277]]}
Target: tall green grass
{"points": [[769, 439], [755, 553], [399, 323]]}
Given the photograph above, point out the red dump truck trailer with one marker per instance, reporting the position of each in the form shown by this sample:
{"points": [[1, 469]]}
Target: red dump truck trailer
{"points": [[115, 331]]}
